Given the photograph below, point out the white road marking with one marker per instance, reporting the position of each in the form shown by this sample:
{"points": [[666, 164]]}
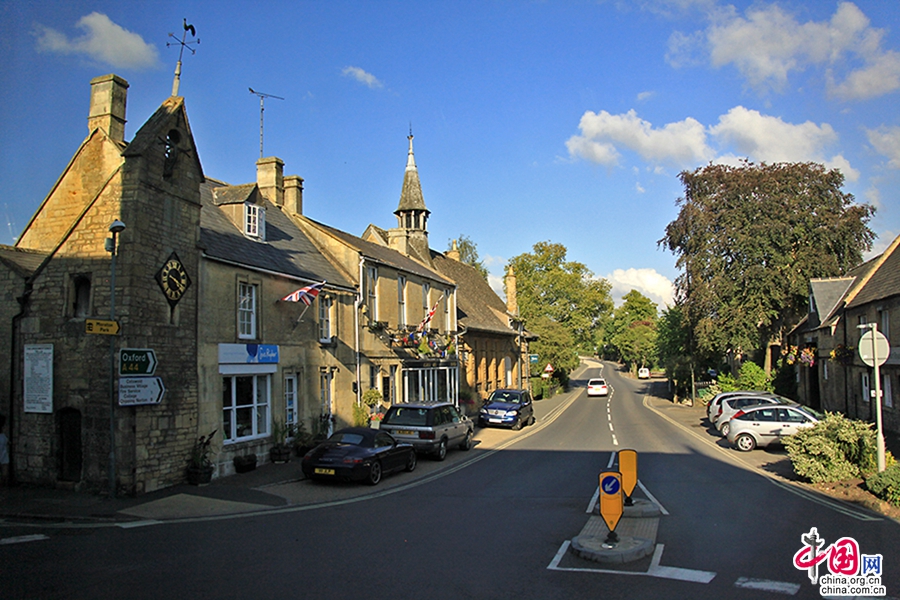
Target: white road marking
{"points": [[655, 570], [778, 587], [593, 501], [23, 538], [610, 427], [652, 498], [615, 441], [144, 523]]}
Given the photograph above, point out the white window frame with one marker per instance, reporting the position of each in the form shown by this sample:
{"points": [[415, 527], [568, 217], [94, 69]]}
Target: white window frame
{"points": [[372, 292], [255, 221], [291, 408], [426, 296], [865, 387], [887, 394], [884, 322], [401, 301], [448, 312], [246, 310], [326, 307], [326, 381], [259, 408]]}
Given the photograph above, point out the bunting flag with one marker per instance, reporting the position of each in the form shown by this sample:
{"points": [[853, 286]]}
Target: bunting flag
{"points": [[430, 314], [306, 295]]}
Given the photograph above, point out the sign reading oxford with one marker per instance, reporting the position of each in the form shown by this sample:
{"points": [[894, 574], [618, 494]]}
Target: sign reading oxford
{"points": [[137, 361]]}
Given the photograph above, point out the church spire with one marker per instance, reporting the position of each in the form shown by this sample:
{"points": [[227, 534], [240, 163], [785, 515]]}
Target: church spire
{"points": [[411, 198]]}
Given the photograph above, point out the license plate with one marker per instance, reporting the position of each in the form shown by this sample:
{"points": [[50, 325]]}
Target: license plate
{"points": [[324, 471], [495, 421], [405, 432]]}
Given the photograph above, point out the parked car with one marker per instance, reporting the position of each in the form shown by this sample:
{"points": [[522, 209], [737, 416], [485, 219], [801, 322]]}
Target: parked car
{"points": [[429, 427], [730, 407], [597, 387], [764, 424], [643, 373], [712, 409], [509, 408], [358, 454]]}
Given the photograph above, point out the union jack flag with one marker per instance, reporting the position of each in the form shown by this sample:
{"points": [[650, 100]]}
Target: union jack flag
{"points": [[306, 295], [429, 316]]}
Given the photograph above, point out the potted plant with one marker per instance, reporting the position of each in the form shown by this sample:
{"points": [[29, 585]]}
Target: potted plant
{"points": [[245, 463], [281, 451], [371, 399], [303, 440], [200, 468]]}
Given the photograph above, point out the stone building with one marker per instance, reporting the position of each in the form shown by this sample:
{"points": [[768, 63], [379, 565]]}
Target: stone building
{"points": [[838, 380], [197, 275]]}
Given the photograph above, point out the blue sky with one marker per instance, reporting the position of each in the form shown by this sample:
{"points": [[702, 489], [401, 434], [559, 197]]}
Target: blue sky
{"points": [[562, 121]]}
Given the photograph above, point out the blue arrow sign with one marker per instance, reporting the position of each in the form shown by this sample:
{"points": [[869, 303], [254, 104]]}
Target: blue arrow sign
{"points": [[610, 485]]}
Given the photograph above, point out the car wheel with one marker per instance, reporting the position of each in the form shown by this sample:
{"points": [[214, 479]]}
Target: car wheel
{"points": [[517, 425], [745, 442], [374, 476], [466, 444], [441, 452], [412, 461], [726, 427], [531, 420]]}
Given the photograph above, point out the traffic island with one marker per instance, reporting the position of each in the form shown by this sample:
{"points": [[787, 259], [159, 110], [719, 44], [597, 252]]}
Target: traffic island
{"points": [[636, 540]]}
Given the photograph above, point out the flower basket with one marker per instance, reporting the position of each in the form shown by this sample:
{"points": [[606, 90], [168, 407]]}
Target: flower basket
{"points": [[842, 355]]}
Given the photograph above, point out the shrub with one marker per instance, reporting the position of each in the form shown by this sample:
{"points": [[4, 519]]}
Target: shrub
{"points": [[727, 383], [753, 377], [886, 485], [835, 449], [360, 415]]}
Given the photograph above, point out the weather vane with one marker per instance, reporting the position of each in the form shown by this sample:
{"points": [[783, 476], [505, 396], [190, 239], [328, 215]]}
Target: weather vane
{"points": [[262, 108], [183, 45]]}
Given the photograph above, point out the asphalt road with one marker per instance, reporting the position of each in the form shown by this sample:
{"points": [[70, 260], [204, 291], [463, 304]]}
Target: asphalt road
{"points": [[491, 523]]}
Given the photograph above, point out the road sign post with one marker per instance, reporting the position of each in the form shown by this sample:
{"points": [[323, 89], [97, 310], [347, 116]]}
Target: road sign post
{"points": [[628, 469], [874, 350], [611, 502]]}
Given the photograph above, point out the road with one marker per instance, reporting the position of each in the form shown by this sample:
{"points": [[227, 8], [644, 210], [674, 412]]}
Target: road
{"points": [[491, 523]]}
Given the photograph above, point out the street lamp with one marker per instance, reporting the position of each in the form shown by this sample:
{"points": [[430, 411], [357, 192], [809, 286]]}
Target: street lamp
{"points": [[115, 228], [877, 359]]}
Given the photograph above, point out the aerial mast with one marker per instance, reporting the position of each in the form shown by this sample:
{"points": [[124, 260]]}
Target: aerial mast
{"points": [[262, 108]]}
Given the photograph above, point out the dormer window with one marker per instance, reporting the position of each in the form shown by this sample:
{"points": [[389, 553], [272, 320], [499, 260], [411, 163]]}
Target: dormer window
{"points": [[255, 221]]}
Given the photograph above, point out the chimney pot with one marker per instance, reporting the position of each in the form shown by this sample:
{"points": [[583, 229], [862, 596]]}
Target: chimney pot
{"points": [[293, 194], [270, 179], [107, 112]]}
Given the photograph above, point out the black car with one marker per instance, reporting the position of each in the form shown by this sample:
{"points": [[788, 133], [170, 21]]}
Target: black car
{"points": [[511, 408], [358, 454]]}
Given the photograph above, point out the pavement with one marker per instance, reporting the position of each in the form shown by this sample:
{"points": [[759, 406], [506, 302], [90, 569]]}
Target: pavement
{"points": [[280, 487]]}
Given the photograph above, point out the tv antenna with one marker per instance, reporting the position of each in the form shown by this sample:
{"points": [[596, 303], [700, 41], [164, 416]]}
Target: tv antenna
{"points": [[183, 45], [262, 108]]}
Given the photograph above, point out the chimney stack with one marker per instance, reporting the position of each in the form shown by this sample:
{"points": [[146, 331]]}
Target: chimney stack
{"points": [[293, 194], [107, 111], [453, 252], [512, 304], [270, 179]]}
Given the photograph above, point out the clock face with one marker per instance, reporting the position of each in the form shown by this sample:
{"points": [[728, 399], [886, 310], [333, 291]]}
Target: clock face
{"points": [[173, 279]]}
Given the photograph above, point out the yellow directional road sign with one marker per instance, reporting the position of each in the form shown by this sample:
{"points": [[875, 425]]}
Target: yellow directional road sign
{"points": [[611, 505], [100, 326], [628, 469]]}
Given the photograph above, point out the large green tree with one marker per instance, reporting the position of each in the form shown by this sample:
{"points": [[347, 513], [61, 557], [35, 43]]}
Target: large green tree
{"points": [[468, 254], [635, 307], [562, 302], [749, 238]]}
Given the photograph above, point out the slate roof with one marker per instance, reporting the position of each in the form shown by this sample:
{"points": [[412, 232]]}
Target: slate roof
{"points": [[21, 261], [286, 249], [381, 254], [884, 282], [479, 308], [828, 294]]}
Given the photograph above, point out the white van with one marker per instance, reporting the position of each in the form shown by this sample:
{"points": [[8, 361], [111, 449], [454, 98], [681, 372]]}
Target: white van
{"points": [[643, 373]]}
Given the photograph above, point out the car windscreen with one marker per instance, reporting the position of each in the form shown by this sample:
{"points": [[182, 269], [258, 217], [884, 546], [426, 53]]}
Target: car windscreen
{"points": [[347, 438], [398, 415], [511, 397]]}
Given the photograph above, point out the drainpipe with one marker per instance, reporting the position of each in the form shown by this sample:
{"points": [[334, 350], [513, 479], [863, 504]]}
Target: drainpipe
{"points": [[10, 417], [357, 304]]}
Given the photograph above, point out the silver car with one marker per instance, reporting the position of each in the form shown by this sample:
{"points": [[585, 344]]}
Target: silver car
{"points": [[712, 409], [730, 407], [765, 424], [429, 427]]}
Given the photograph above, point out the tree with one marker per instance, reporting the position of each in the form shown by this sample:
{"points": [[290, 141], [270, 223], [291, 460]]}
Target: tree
{"points": [[468, 254], [561, 302], [620, 331], [748, 240]]}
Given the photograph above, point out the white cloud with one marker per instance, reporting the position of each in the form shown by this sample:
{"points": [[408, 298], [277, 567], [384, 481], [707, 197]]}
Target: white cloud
{"points": [[103, 41], [768, 44], [363, 77], [681, 143], [880, 244], [644, 96], [770, 139], [647, 281], [886, 141]]}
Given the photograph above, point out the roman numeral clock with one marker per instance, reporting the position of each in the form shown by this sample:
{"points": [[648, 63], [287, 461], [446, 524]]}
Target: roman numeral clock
{"points": [[173, 279]]}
